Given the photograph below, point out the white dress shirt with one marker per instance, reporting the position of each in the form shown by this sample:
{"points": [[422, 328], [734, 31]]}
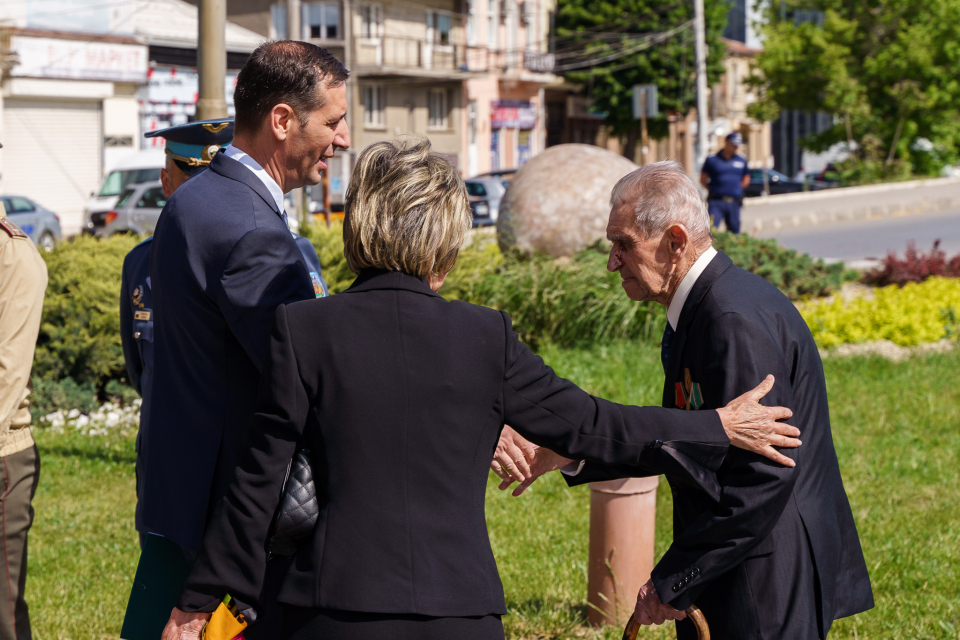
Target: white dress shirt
{"points": [[686, 285], [236, 154], [673, 317]]}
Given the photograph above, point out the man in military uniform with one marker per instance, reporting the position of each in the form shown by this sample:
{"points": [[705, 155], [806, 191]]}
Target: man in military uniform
{"points": [[189, 149], [725, 174], [23, 282]]}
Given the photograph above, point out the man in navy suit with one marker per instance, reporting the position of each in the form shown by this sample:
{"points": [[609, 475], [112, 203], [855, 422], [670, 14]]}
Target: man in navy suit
{"points": [[776, 555], [189, 148], [223, 259]]}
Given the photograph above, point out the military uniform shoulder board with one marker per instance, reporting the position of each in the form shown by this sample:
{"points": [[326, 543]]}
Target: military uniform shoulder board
{"points": [[12, 230]]}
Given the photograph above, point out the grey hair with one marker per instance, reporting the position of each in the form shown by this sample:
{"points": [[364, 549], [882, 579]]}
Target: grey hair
{"points": [[663, 194]]}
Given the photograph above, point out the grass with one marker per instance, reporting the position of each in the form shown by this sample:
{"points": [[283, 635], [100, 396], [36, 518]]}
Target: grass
{"points": [[897, 431]]}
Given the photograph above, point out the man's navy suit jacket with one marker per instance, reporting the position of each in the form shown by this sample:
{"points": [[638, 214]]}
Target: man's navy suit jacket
{"points": [[222, 262], [734, 329]]}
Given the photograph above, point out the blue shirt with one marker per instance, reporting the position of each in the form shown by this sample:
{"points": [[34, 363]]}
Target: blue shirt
{"points": [[726, 176]]}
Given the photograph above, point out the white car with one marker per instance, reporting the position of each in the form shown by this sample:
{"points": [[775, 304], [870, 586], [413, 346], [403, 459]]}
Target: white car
{"points": [[136, 169]]}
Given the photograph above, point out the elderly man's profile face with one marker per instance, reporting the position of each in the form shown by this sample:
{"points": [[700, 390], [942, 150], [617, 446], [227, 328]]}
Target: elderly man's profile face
{"points": [[314, 144], [642, 270]]}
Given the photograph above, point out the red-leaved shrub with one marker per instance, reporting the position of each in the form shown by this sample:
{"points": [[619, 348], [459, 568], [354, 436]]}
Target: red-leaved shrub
{"points": [[914, 267]]}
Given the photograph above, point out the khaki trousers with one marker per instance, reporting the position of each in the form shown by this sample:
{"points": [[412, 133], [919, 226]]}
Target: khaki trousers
{"points": [[19, 475]]}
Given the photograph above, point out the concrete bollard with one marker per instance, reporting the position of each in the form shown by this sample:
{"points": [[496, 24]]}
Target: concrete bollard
{"points": [[622, 531]]}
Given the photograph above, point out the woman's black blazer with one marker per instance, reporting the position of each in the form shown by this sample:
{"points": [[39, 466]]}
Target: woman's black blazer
{"points": [[401, 397]]}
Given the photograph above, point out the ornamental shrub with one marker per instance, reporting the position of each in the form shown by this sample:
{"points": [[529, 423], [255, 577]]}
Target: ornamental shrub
{"points": [[80, 329], [329, 245], [914, 267], [567, 302], [797, 275], [908, 315]]}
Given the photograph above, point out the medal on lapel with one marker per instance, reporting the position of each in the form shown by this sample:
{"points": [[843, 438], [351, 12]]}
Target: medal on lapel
{"points": [[688, 394]]}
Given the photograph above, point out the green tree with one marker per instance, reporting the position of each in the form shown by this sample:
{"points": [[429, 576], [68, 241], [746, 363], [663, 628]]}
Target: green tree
{"points": [[888, 69], [658, 50]]}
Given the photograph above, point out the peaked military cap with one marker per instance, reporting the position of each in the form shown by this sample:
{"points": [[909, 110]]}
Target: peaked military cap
{"points": [[193, 145]]}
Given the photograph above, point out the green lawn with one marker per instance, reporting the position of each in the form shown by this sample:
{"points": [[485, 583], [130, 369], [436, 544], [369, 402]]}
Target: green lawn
{"points": [[897, 430]]}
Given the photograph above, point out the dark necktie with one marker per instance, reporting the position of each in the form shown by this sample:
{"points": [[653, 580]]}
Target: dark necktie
{"points": [[665, 346]]}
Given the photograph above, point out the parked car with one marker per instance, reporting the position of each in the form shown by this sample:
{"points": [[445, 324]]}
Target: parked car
{"points": [[138, 168], [136, 212], [488, 192], [42, 225], [776, 183]]}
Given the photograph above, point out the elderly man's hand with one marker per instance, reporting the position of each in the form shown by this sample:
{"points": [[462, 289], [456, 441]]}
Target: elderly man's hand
{"points": [[650, 610], [753, 427], [184, 626]]}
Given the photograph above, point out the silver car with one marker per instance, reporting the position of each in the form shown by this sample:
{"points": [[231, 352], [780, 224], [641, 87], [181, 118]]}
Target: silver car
{"points": [[487, 190], [41, 225], [136, 212]]}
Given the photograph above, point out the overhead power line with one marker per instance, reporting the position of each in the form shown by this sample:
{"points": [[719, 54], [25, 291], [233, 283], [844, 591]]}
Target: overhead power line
{"points": [[646, 43]]}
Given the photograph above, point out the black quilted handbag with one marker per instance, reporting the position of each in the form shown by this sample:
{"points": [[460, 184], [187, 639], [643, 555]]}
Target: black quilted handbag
{"points": [[299, 508]]}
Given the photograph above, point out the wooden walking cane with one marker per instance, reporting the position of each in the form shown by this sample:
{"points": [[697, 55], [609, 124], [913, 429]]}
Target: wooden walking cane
{"points": [[694, 613]]}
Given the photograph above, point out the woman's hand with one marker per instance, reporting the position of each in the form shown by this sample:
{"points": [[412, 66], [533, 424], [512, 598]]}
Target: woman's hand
{"points": [[184, 626], [512, 458], [753, 427]]}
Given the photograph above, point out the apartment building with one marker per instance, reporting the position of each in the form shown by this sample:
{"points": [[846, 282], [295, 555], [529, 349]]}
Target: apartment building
{"points": [[506, 115]]}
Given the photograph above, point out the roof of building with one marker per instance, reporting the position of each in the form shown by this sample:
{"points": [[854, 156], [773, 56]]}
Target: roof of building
{"points": [[735, 46]]}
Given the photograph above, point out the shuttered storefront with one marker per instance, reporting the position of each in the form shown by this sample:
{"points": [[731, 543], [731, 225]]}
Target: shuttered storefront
{"points": [[52, 152]]}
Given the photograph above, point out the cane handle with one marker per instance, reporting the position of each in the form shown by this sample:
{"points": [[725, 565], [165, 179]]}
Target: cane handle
{"points": [[693, 612]]}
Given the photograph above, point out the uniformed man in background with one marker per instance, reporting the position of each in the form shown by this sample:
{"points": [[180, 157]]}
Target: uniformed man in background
{"points": [[23, 282], [189, 149], [725, 175]]}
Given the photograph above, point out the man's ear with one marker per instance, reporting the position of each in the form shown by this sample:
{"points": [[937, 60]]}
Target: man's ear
{"points": [[166, 183], [679, 239], [281, 119]]}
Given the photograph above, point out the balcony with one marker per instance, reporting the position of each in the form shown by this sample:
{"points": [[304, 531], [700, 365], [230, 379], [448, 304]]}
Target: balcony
{"points": [[482, 59], [408, 56]]}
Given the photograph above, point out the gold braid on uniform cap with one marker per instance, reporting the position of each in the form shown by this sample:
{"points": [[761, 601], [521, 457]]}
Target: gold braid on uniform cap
{"points": [[193, 162]]}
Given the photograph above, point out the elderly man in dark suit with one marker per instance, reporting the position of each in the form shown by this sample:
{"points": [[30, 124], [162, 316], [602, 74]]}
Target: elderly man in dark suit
{"points": [[776, 555], [223, 260]]}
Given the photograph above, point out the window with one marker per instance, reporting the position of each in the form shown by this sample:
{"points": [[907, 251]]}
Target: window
{"points": [[492, 26], [321, 20], [373, 103], [117, 180], [371, 21], [471, 23], [152, 199], [439, 26], [278, 21], [124, 197], [530, 24], [20, 205], [476, 189], [438, 109]]}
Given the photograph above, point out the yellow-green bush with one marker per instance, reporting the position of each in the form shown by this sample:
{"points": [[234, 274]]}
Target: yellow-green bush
{"points": [[917, 313]]}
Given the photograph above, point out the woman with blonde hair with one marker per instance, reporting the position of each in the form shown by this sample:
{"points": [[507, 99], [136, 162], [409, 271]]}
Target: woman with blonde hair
{"points": [[401, 396]]}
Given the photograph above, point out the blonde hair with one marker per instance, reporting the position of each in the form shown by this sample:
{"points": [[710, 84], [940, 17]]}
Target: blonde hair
{"points": [[406, 209]]}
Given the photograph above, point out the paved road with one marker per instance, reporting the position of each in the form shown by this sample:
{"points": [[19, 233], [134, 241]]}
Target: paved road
{"points": [[864, 239]]}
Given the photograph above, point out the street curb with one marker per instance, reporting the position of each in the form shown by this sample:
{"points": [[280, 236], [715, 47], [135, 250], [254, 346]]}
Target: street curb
{"points": [[843, 192], [844, 207]]}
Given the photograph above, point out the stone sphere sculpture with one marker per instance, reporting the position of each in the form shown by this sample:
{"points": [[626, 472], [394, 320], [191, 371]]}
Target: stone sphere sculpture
{"points": [[558, 202]]}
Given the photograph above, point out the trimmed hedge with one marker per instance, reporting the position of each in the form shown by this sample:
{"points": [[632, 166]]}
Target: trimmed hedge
{"points": [[567, 302], [910, 315], [798, 275], [80, 329]]}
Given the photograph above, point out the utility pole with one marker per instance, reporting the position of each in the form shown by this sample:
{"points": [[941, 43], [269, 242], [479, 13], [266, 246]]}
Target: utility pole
{"points": [[294, 31], [700, 56], [212, 59]]}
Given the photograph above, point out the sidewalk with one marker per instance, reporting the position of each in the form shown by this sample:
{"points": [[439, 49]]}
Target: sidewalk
{"points": [[850, 203]]}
